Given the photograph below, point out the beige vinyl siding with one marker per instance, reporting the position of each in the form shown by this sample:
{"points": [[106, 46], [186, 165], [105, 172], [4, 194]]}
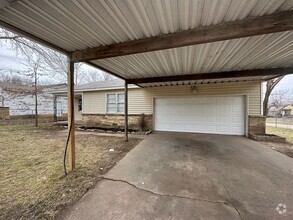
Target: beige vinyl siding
{"points": [[94, 102], [141, 100]]}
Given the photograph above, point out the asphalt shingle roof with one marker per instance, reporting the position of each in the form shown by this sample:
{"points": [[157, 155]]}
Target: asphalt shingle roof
{"points": [[101, 85]]}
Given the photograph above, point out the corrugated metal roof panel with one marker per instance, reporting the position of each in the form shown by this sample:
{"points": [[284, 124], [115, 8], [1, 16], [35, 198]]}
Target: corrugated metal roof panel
{"points": [[259, 52], [73, 24]]}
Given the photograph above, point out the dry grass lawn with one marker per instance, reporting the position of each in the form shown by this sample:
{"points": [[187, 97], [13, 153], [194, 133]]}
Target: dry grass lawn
{"points": [[285, 148], [32, 182], [283, 132]]}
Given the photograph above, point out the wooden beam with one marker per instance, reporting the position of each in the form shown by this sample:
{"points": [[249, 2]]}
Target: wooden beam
{"points": [[252, 26], [126, 111], [216, 75], [70, 100]]}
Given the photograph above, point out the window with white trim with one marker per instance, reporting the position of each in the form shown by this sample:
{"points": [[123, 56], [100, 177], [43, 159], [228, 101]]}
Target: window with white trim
{"points": [[79, 104], [115, 103]]}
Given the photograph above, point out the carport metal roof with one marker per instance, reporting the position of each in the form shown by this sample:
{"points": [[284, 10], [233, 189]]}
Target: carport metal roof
{"points": [[160, 42], [164, 42]]}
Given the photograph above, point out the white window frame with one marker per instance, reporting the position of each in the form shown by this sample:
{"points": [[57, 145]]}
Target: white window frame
{"points": [[117, 102]]}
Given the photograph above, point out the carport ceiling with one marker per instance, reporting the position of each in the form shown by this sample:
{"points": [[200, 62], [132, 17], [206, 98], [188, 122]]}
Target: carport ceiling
{"points": [[163, 42]]}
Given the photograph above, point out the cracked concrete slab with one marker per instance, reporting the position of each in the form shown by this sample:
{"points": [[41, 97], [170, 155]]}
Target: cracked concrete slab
{"points": [[119, 200], [169, 167], [193, 176]]}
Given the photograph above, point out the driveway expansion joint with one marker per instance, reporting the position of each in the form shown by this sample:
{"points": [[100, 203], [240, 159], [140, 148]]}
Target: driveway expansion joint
{"points": [[167, 195]]}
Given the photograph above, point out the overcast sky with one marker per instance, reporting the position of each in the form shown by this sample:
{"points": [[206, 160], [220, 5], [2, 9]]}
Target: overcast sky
{"points": [[9, 60]]}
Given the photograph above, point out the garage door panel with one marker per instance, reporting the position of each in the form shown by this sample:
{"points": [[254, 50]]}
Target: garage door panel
{"points": [[218, 115], [236, 109], [236, 101], [236, 130], [197, 119], [224, 129], [238, 120], [224, 109], [224, 100], [212, 119], [210, 129], [224, 119], [200, 109], [212, 111]]}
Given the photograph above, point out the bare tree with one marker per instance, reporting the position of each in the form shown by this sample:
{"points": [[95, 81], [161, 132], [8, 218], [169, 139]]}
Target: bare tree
{"points": [[36, 69], [21, 45], [55, 60], [271, 84], [18, 83], [58, 63], [95, 76], [280, 98], [9, 77], [106, 77]]}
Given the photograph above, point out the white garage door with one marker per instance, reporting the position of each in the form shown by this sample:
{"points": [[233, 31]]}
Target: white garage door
{"points": [[214, 115]]}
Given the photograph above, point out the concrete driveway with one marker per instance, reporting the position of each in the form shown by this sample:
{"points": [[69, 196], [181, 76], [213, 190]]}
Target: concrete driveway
{"points": [[193, 176]]}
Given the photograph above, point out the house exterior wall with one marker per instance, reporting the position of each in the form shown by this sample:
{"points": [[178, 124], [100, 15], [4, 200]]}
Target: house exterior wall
{"points": [[141, 100], [25, 104], [288, 112], [117, 121]]}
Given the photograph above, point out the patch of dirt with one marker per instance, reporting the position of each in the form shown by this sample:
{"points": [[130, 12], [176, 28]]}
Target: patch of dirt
{"points": [[284, 148], [32, 181]]}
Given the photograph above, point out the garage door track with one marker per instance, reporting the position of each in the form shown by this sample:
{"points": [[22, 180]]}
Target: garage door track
{"points": [[193, 176]]}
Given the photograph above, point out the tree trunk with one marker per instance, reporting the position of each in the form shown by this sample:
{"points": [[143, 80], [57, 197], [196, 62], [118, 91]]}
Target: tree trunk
{"points": [[265, 104], [36, 103], [271, 84]]}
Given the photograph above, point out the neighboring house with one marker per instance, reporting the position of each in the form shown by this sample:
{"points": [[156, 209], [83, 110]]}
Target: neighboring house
{"points": [[287, 111], [21, 101], [275, 111], [218, 108]]}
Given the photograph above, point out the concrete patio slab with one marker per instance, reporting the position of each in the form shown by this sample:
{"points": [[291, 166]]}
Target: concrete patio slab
{"points": [[193, 176]]}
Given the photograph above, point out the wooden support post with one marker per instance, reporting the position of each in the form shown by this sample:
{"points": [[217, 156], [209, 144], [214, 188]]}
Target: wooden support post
{"points": [[70, 94], [126, 110], [55, 107]]}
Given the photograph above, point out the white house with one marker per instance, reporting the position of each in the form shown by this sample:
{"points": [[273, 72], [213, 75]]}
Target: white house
{"points": [[21, 101]]}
